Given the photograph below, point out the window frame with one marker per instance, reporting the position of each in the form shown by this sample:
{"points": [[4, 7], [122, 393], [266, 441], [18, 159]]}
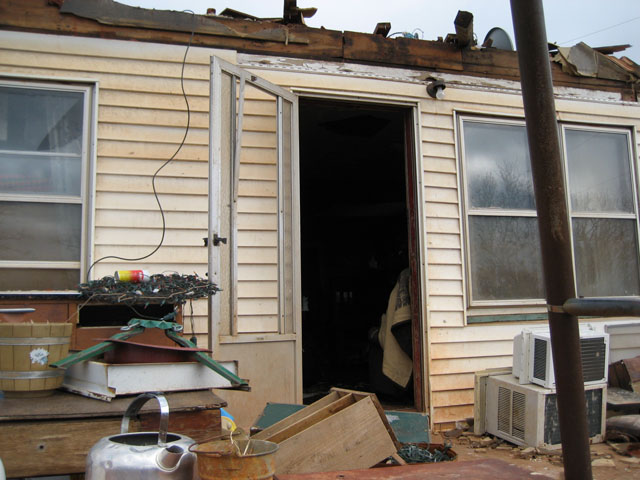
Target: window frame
{"points": [[494, 307], [87, 176]]}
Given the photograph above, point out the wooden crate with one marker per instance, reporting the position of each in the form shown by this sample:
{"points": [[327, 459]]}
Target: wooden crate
{"points": [[343, 430]]}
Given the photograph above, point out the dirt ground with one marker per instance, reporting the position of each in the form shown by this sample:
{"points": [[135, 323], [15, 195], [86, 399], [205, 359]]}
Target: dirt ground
{"points": [[607, 464]]}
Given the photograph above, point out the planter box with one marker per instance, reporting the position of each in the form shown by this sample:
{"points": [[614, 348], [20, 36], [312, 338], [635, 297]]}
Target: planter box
{"points": [[343, 430]]}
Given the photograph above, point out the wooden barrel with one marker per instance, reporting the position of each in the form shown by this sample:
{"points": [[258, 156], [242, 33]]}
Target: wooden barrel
{"points": [[26, 350]]}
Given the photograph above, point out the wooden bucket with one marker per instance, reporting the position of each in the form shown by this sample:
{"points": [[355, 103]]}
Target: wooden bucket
{"points": [[26, 350]]}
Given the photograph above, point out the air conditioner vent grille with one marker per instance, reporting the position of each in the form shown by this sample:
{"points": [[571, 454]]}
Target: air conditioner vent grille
{"points": [[540, 359], [519, 414], [593, 353], [504, 410]]}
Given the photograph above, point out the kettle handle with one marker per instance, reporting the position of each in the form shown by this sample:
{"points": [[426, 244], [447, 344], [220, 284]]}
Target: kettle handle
{"points": [[134, 408]]}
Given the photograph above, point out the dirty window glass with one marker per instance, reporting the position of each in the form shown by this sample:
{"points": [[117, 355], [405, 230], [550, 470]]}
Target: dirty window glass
{"points": [[42, 164], [503, 249]]}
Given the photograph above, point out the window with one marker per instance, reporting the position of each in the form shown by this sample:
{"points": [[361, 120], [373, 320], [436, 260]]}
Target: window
{"points": [[504, 260], [43, 172]]}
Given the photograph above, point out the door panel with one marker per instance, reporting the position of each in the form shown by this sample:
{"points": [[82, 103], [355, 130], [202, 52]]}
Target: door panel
{"points": [[253, 154]]}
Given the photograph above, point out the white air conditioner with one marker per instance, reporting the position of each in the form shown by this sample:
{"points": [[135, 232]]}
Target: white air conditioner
{"points": [[533, 362], [528, 414]]}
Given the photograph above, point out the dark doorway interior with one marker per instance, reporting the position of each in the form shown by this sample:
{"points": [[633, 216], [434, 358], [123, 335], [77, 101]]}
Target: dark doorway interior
{"points": [[354, 241]]}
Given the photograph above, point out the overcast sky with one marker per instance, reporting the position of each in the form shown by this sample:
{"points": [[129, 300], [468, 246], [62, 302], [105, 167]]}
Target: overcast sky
{"points": [[595, 22]]}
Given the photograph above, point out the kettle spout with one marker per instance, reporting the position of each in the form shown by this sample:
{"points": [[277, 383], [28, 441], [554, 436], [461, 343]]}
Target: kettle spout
{"points": [[169, 457]]}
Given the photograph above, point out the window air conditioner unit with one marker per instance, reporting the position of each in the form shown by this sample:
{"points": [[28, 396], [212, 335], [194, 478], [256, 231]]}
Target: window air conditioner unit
{"points": [[528, 414], [533, 362]]}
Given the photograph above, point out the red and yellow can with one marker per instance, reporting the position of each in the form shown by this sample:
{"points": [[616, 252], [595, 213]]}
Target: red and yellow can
{"points": [[132, 276]]}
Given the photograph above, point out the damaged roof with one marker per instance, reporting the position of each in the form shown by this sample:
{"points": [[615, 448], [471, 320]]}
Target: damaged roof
{"points": [[578, 66]]}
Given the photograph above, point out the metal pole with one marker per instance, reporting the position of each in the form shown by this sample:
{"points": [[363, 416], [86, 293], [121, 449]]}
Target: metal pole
{"points": [[553, 223]]}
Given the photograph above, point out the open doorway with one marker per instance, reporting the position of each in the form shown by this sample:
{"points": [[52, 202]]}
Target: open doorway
{"points": [[355, 245]]}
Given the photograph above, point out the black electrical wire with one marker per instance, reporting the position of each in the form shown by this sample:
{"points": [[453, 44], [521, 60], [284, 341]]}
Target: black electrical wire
{"points": [[153, 179]]}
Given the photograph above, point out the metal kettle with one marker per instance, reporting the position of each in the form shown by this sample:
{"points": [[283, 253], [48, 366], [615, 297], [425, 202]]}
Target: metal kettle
{"points": [[142, 455]]}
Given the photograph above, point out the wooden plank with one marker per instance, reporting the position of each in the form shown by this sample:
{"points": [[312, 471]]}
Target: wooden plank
{"points": [[258, 324], [403, 51], [312, 419], [296, 417], [64, 405], [258, 306], [51, 448], [352, 438]]}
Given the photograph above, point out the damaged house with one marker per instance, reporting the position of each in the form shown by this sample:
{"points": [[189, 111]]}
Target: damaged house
{"points": [[366, 201]]}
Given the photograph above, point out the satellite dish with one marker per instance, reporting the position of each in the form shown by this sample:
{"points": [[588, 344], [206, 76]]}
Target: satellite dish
{"points": [[498, 38]]}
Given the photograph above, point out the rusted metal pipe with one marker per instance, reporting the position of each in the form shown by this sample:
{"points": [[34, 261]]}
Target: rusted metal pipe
{"points": [[553, 224], [603, 307]]}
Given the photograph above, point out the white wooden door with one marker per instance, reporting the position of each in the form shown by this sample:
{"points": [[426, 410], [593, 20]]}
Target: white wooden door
{"points": [[252, 187]]}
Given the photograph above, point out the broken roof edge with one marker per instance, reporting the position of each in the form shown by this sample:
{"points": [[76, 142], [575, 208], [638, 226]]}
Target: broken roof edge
{"points": [[88, 18], [582, 60]]}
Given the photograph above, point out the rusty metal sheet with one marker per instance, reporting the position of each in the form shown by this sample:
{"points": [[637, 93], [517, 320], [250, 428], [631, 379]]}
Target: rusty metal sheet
{"points": [[489, 469]]}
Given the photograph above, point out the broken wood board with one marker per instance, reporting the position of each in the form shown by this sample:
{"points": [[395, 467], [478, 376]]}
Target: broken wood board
{"points": [[343, 430]]}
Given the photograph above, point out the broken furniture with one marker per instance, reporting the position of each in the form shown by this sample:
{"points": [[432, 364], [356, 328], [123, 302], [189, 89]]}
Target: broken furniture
{"points": [[344, 429], [53, 437], [409, 427]]}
